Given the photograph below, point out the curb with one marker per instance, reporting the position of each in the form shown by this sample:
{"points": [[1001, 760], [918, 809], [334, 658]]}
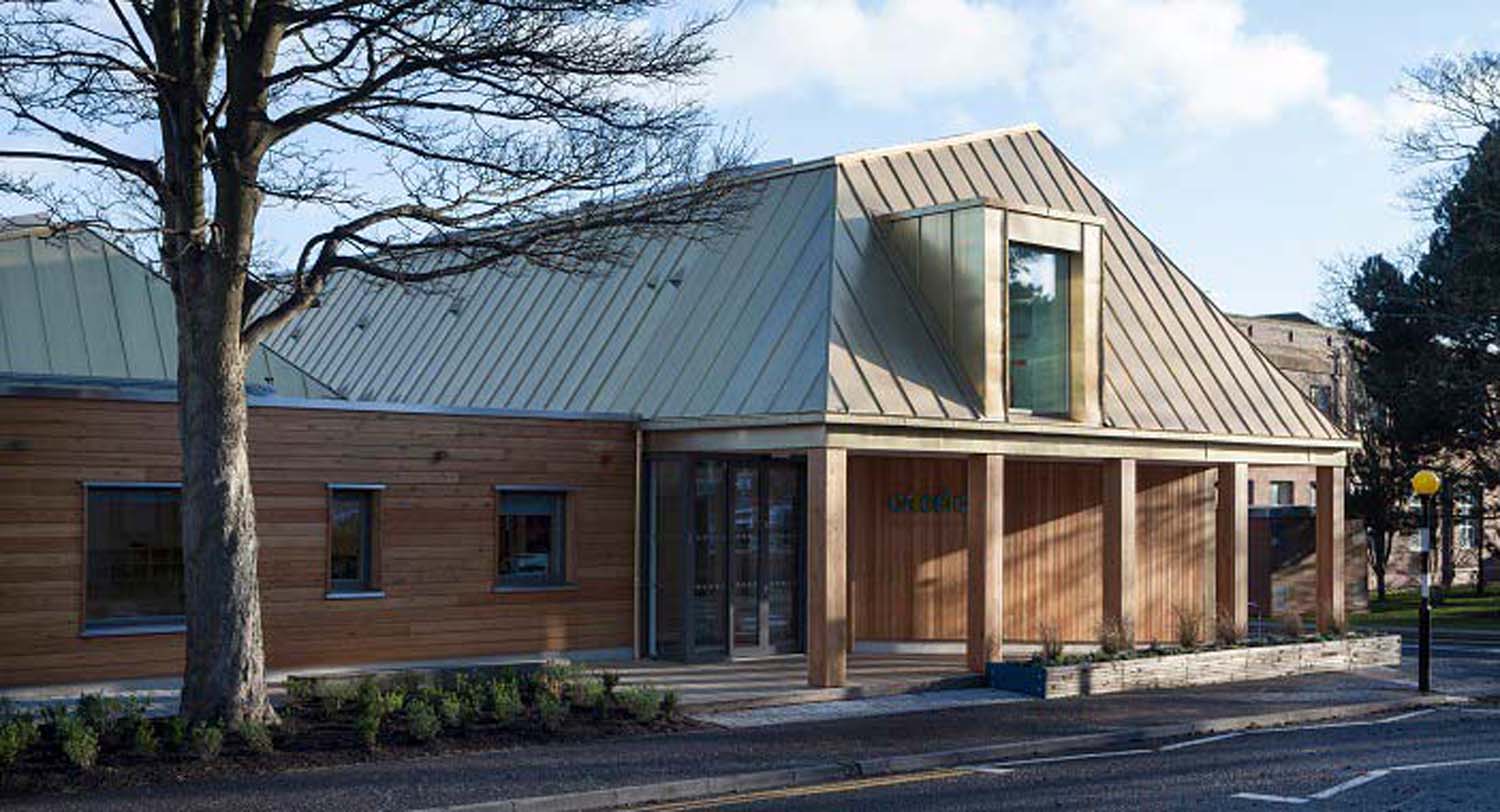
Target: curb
{"points": [[696, 788]]}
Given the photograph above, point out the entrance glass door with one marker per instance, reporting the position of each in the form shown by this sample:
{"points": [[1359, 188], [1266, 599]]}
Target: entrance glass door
{"points": [[745, 571], [726, 537]]}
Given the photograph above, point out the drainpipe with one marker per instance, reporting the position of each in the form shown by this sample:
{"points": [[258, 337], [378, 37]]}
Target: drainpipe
{"points": [[635, 515]]}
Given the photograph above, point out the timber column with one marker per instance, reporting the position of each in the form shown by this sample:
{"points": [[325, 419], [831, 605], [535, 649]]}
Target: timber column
{"points": [[827, 567], [985, 537], [1331, 547], [1120, 545], [1232, 545]]}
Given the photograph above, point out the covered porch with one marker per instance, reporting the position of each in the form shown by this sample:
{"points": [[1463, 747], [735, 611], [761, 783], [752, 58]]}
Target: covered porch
{"points": [[930, 550]]}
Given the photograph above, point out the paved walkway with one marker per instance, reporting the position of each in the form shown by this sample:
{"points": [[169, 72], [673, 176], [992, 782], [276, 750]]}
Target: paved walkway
{"points": [[860, 708]]}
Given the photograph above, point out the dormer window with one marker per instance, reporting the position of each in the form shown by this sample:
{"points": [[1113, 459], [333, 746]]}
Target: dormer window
{"points": [[1039, 329]]}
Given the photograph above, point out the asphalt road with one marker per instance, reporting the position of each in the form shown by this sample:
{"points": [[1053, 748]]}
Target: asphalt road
{"points": [[1446, 759]]}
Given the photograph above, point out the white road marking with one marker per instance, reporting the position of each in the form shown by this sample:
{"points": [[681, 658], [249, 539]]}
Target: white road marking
{"points": [[1195, 742], [1270, 799], [1356, 781], [1362, 779]]}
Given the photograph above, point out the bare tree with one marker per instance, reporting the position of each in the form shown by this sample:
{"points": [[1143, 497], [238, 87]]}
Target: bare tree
{"points": [[448, 136], [1462, 96]]}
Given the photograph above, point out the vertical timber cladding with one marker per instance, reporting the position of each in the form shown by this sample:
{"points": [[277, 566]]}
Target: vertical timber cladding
{"points": [[1175, 525], [1054, 549], [908, 566], [436, 550]]}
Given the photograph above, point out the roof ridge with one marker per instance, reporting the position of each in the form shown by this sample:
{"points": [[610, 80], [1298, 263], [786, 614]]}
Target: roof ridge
{"points": [[928, 143]]}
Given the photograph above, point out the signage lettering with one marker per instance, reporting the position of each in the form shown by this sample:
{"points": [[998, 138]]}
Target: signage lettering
{"points": [[941, 502]]}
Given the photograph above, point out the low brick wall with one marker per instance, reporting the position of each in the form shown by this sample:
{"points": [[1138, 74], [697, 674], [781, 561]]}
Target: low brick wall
{"points": [[1196, 668]]}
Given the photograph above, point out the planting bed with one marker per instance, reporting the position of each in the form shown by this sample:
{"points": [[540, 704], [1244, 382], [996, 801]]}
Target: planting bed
{"points": [[1181, 669]]}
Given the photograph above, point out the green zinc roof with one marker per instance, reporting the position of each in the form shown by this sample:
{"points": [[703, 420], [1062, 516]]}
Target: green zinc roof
{"points": [[72, 305]]}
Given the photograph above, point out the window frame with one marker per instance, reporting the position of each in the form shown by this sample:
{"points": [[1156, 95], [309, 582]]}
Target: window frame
{"points": [[1291, 490], [567, 580], [120, 628], [372, 588]]}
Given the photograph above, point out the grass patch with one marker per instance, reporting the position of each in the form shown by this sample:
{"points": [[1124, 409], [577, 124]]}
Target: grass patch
{"points": [[1459, 609]]}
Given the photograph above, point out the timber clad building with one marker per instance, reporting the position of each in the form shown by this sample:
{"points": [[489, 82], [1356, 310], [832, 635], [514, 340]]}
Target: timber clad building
{"points": [[925, 398]]}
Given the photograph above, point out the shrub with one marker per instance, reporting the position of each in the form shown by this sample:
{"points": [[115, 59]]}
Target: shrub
{"points": [[553, 678], [1291, 625], [451, 710], [97, 711], [643, 704], [1115, 637], [421, 721], [80, 744], [505, 701], [1227, 630], [1051, 639], [334, 696], [143, 739], [669, 704], [610, 680], [301, 690], [177, 732], [18, 732], [257, 737], [587, 692], [1188, 624], [207, 740], [367, 725], [551, 711]]}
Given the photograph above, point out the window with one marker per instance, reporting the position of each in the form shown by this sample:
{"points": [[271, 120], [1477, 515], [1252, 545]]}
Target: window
{"points": [[134, 539], [532, 536], [1038, 329], [1322, 397], [1282, 493], [352, 527]]}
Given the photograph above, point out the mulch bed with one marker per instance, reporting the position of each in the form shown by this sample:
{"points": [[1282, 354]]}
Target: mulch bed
{"points": [[300, 744]]}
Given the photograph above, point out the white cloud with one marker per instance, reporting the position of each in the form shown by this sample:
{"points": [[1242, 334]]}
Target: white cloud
{"points": [[1373, 120], [1108, 65], [1105, 67], [884, 57]]}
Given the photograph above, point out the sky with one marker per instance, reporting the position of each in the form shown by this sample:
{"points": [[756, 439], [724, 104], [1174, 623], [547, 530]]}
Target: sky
{"points": [[1249, 139]]}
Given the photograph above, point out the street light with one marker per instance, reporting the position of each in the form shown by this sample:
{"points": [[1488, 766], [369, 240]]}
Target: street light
{"points": [[1425, 483]]}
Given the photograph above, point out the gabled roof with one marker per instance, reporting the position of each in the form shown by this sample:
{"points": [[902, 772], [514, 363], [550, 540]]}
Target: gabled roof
{"points": [[802, 309], [74, 307], [1172, 360]]}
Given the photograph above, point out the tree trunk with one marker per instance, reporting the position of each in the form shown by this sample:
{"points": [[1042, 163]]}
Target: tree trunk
{"points": [[1381, 555], [224, 678]]}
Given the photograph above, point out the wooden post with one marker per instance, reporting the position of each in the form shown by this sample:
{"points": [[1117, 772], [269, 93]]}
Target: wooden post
{"points": [[985, 532], [1120, 545], [827, 567], [1232, 545], [1331, 547]]}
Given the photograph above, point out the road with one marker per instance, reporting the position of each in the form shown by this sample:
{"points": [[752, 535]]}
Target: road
{"points": [[1444, 759]]}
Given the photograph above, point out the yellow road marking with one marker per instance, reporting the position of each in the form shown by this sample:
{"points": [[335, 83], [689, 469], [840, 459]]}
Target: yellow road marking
{"points": [[851, 785]]}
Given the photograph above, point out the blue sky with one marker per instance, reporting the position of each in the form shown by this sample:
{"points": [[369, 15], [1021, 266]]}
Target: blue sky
{"points": [[1247, 138]]}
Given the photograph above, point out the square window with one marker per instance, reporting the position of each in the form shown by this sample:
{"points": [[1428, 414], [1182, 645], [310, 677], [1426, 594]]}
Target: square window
{"points": [[134, 545], [351, 539], [532, 538], [1282, 493]]}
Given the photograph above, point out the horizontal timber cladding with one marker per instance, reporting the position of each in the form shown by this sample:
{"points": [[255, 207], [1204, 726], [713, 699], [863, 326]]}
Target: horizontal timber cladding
{"points": [[1054, 549], [436, 550], [907, 560], [1174, 548]]}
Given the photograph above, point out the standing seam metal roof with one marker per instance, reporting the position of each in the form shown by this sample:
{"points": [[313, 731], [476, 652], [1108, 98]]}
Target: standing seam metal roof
{"points": [[74, 306], [803, 308]]}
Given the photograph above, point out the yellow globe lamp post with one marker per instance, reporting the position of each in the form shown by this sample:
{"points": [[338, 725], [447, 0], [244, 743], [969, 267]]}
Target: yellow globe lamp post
{"points": [[1425, 483]]}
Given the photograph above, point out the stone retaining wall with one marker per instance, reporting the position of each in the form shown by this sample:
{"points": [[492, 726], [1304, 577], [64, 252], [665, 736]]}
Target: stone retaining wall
{"points": [[1189, 669]]}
